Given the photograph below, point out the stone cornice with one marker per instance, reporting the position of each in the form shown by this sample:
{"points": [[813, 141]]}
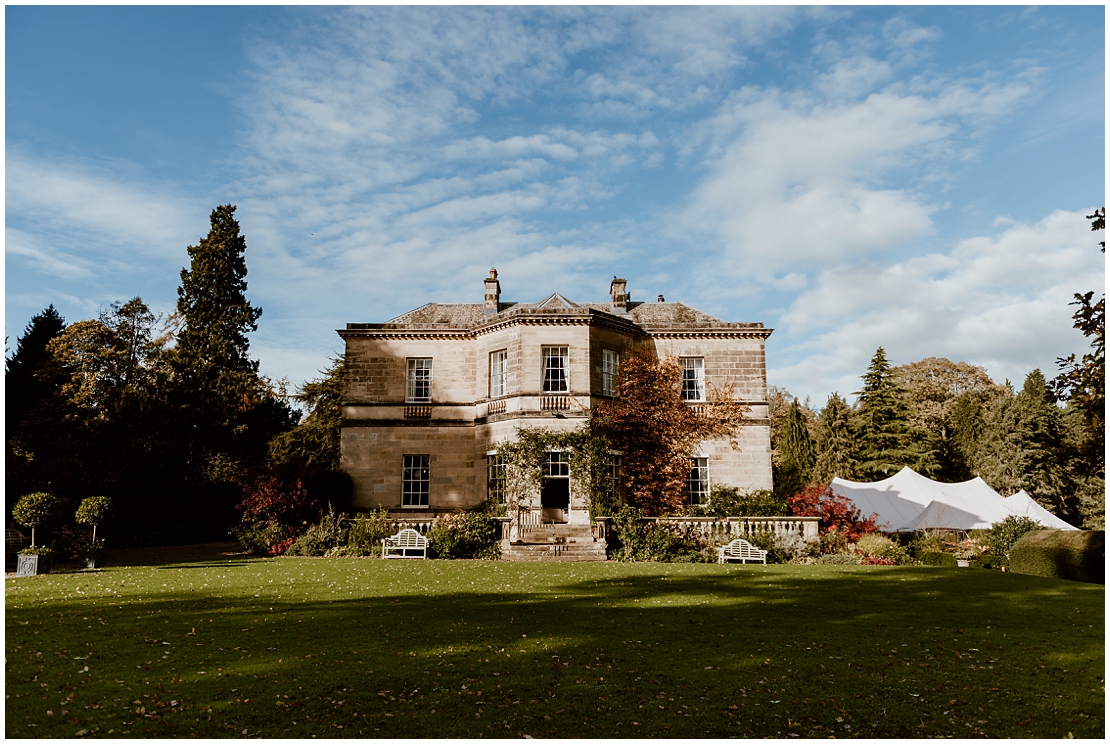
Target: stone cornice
{"points": [[718, 332], [376, 330]]}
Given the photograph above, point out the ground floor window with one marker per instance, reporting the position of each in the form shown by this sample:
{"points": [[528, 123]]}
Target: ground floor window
{"points": [[415, 478], [615, 475], [495, 479], [697, 484]]}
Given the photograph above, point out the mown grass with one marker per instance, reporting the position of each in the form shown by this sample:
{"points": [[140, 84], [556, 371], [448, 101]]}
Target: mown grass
{"points": [[296, 647]]}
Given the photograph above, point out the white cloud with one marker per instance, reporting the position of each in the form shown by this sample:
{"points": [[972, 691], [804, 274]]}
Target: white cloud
{"points": [[999, 301], [110, 208], [44, 259]]}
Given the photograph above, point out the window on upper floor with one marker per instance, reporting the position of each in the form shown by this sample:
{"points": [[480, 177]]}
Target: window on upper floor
{"points": [[415, 480], [419, 386], [697, 483], [556, 369], [498, 371], [610, 365], [693, 379]]}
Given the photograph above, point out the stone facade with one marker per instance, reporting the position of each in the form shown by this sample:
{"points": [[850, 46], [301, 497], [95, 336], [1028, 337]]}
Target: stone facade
{"points": [[422, 389]]}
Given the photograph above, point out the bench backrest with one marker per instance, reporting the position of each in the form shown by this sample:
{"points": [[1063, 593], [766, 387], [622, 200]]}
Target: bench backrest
{"points": [[742, 547], [408, 538]]}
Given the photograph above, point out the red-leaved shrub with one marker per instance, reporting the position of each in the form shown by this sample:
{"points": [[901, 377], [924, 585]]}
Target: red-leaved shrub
{"points": [[876, 560], [835, 511], [281, 546], [269, 501]]}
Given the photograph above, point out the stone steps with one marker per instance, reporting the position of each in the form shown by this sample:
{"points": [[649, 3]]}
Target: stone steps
{"points": [[556, 542], [556, 552]]}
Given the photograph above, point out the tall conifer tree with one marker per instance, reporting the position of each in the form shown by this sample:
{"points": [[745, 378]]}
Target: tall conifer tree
{"points": [[834, 456], [212, 358], [795, 462], [1021, 445], [22, 390], [886, 443]]}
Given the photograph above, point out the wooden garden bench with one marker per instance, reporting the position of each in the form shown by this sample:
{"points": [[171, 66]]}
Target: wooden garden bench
{"points": [[741, 550], [15, 540], [408, 543]]}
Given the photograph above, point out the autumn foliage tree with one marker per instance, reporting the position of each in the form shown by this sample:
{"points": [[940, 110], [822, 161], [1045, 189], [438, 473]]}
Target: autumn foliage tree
{"points": [[837, 513], [657, 432]]}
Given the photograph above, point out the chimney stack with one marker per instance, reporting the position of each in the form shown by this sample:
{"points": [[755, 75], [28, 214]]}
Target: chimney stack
{"points": [[619, 293], [493, 294]]}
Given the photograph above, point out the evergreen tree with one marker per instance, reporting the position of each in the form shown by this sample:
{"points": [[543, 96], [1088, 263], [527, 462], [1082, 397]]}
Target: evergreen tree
{"points": [[314, 443], [23, 393], [228, 411], [1021, 445], [22, 390], [886, 442], [212, 359], [794, 465], [834, 442]]}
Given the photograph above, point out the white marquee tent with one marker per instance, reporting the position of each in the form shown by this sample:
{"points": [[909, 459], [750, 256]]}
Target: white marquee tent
{"points": [[1023, 505], [906, 502]]}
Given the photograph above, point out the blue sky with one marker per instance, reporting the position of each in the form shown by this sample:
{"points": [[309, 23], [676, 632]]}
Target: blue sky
{"points": [[915, 178]]}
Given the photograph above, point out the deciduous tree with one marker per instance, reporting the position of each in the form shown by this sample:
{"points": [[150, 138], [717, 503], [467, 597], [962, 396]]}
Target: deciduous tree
{"points": [[933, 388], [658, 432]]}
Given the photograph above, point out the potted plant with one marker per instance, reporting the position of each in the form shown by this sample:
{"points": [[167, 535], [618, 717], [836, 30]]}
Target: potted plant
{"points": [[35, 510], [95, 510]]}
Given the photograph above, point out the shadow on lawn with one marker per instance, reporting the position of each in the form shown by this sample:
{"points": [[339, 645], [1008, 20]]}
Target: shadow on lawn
{"points": [[739, 652]]}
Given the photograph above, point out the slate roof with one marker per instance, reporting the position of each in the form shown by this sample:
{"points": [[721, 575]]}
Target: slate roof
{"points": [[647, 315]]}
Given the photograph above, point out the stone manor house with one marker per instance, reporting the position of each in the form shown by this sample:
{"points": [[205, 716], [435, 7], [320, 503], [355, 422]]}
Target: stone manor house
{"points": [[430, 394]]}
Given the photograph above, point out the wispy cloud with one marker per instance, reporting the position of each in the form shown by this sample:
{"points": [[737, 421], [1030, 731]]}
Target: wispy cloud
{"points": [[94, 218]]}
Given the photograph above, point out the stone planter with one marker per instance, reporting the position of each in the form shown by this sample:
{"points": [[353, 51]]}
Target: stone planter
{"points": [[94, 559], [32, 565]]}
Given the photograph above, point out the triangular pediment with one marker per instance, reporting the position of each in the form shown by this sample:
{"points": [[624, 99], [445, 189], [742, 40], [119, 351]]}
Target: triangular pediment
{"points": [[556, 302]]}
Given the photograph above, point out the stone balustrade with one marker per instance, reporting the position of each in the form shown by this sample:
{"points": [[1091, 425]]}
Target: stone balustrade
{"points": [[723, 529]]}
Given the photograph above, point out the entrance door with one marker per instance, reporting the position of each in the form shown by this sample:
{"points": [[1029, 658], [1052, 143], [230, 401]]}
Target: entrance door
{"points": [[555, 496]]}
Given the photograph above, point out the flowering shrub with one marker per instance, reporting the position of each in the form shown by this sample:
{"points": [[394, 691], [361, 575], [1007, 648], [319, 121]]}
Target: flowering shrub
{"points": [[877, 550], [835, 511]]}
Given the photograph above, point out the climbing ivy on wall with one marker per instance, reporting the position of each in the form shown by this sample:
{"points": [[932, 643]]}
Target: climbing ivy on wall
{"points": [[587, 454]]}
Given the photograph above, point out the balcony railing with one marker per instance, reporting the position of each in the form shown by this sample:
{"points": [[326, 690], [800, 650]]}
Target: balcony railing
{"points": [[554, 403]]}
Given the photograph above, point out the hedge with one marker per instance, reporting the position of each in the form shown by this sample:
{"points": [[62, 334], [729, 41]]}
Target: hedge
{"points": [[1060, 554], [936, 558]]}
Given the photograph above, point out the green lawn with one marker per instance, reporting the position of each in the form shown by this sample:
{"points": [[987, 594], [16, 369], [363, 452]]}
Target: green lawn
{"points": [[296, 647]]}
